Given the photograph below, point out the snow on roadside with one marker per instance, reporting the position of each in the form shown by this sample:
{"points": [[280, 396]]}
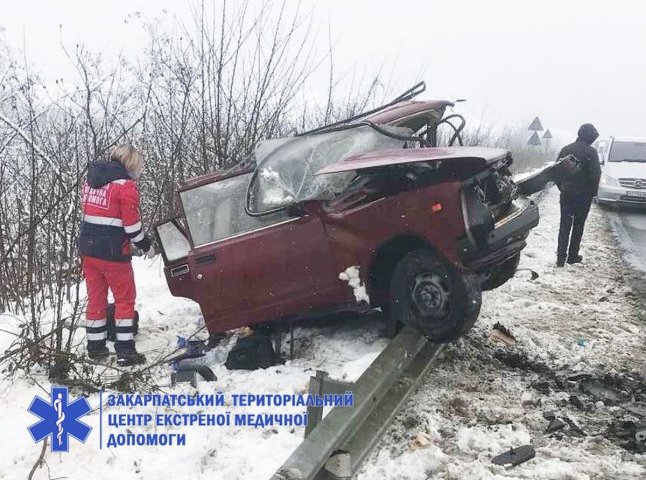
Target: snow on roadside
{"points": [[473, 405], [344, 347], [479, 400]]}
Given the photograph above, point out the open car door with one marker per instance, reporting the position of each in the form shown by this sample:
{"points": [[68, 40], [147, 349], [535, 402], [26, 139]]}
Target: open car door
{"points": [[533, 182], [175, 247]]}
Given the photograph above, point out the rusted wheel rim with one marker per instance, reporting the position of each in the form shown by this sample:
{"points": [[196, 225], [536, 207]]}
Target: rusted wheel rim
{"points": [[430, 295]]}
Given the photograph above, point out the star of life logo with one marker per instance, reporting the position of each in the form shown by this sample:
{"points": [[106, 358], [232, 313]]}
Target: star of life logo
{"points": [[59, 419]]}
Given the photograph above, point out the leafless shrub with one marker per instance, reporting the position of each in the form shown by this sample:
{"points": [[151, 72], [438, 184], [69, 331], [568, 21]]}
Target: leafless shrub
{"points": [[199, 100]]}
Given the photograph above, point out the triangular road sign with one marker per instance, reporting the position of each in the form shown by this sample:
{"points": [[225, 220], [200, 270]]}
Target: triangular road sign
{"points": [[547, 134], [534, 140], [536, 125]]}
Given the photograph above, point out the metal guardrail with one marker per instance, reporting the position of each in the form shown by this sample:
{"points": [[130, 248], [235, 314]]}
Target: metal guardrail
{"points": [[339, 443]]}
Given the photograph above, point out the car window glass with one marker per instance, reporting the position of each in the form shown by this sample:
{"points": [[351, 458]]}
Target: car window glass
{"points": [[173, 241], [216, 211], [628, 151]]}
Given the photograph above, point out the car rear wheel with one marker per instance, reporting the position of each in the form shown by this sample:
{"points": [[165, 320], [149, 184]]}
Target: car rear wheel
{"points": [[433, 296]]}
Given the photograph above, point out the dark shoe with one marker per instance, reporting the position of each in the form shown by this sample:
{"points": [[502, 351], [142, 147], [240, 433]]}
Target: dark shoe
{"points": [[560, 262], [575, 259], [130, 358], [98, 354]]}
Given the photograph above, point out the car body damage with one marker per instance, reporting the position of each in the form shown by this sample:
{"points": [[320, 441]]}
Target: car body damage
{"points": [[422, 228]]}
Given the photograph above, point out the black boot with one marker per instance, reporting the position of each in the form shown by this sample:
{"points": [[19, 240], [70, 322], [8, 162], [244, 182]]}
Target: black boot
{"points": [[98, 353], [124, 345], [560, 261], [572, 259], [131, 358]]}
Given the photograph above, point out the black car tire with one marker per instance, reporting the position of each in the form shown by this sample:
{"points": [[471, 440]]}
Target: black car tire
{"points": [[501, 273], [433, 296]]}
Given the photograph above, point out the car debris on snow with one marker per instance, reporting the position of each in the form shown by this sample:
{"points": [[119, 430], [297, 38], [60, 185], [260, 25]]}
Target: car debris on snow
{"points": [[502, 334], [515, 456], [421, 440]]}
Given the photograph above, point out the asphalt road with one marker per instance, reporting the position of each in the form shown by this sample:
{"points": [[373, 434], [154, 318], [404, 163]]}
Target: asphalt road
{"points": [[630, 228]]}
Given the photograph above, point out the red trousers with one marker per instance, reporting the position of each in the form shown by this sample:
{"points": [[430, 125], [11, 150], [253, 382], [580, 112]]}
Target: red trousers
{"points": [[101, 275]]}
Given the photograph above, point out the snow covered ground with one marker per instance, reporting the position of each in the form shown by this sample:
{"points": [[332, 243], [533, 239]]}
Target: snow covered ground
{"points": [[485, 397], [482, 398]]}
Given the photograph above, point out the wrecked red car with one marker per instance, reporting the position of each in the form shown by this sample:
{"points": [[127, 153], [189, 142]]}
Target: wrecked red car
{"points": [[369, 213]]}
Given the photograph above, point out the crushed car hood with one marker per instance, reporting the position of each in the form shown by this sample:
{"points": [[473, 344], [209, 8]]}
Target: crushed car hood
{"points": [[483, 155]]}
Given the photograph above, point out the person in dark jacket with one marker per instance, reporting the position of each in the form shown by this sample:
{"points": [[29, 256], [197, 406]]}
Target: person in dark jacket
{"points": [[577, 191], [110, 223]]}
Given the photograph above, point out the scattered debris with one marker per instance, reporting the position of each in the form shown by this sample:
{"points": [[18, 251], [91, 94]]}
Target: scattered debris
{"points": [[421, 440], [515, 456], [252, 352], [628, 434], [576, 401], [502, 334], [555, 425], [579, 376], [549, 415], [518, 359], [184, 376], [533, 274], [574, 427], [640, 437], [605, 389], [542, 387]]}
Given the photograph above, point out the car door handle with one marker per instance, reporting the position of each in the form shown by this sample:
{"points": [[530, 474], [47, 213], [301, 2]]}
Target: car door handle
{"points": [[204, 259]]}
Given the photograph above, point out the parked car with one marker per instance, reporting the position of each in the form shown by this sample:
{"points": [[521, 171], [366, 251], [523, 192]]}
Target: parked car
{"points": [[623, 172], [365, 214]]}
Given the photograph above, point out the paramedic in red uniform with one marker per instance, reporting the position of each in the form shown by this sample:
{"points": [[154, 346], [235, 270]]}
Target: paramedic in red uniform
{"points": [[111, 222]]}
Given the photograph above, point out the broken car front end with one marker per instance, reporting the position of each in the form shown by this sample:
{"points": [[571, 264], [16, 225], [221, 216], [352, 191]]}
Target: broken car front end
{"points": [[497, 218]]}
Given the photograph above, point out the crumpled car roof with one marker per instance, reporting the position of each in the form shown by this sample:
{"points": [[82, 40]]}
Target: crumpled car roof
{"points": [[384, 158], [410, 114]]}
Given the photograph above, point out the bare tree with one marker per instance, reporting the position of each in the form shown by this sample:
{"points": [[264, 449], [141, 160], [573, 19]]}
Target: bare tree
{"points": [[200, 99]]}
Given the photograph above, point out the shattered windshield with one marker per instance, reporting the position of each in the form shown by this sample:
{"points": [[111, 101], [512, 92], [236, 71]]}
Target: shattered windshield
{"points": [[286, 173]]}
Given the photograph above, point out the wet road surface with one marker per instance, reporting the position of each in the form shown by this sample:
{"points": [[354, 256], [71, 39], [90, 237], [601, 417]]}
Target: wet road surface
{"points": [[630, 227]]}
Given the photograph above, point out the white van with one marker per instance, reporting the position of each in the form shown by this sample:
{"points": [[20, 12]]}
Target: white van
{"points": [[623, 172]]}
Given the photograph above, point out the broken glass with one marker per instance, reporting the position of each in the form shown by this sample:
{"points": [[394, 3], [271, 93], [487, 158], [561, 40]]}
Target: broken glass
{"points": [[286, 173]]}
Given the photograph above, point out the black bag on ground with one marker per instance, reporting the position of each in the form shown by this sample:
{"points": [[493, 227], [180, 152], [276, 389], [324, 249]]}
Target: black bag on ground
{"points": [[251, 353]]}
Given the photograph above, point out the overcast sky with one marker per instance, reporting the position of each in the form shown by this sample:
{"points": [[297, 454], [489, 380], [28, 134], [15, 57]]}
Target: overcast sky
{"points": [[568, 62]]}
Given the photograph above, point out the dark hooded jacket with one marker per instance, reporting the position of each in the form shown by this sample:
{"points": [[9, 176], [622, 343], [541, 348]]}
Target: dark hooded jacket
{"points": [[586, 180], [102, 173]]}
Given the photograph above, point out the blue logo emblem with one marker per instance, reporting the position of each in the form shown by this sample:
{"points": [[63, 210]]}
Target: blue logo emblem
{"points": [[59, 419]]}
